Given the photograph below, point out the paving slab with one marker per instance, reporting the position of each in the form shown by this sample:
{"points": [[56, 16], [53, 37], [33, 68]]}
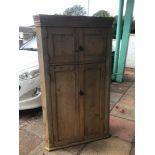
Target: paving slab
{"points": [[129, 111], [75, 149], [23, 123], [132, 151], [122, 128], [118, 88], [40, 151], [110, 146], [131, 91], [36, 127], [27, 142], [125, 83], [35, 115], [133, 85], [112, 104], [127, 99], [26, 116], [115, 97]]}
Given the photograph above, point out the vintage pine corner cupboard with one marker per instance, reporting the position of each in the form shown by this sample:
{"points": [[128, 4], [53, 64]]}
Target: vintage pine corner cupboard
{"points": [[75, 67]]}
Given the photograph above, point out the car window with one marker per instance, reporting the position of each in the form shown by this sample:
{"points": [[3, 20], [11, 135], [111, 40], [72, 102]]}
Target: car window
{"points": [[30, 45]]}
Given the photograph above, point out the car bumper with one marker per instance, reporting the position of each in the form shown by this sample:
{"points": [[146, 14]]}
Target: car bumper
{"points": [[29, 94], [30, 103]]}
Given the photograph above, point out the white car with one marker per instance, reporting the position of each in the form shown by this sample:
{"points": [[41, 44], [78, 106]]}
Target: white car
{"points": [[29, 77]]}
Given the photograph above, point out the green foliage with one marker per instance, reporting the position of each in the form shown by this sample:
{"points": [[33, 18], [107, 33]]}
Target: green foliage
{"points": [[102, 13], [76, 10], [57, 14]]}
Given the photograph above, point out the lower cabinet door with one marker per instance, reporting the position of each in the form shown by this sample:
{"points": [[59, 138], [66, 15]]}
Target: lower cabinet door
{"points": [[92, 99], [65, 107], [78, 103]]}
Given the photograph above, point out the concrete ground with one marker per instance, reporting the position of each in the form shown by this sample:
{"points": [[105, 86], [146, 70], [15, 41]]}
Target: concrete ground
{"points": [[122, 126]]}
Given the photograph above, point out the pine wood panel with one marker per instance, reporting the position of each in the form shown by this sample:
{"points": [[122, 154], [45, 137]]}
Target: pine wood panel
{"points": [[94, 42], [62, 44], [92, 85], [66, 116]]}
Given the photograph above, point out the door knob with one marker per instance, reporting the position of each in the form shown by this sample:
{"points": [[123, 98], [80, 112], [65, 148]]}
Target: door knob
{"points": [[81, 93], [81, 48]]}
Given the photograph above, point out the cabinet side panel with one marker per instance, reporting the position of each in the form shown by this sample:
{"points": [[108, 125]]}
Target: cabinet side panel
{"points": [[44, 84], [108, 81]]}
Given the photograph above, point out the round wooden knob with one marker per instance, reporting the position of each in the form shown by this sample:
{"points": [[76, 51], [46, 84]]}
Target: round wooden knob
{"points": [[81, 93], [81, 48]]}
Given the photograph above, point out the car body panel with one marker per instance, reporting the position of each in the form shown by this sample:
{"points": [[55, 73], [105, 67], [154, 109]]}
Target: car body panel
{"points": [[29, 92]]}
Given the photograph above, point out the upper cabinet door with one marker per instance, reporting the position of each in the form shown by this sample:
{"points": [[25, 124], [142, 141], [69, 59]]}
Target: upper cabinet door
{"points": [[76, 45], [92, 44], [61, 43]]}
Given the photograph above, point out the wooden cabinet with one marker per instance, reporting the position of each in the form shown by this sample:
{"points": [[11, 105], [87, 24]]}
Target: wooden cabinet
{"points": [[75, 62]]}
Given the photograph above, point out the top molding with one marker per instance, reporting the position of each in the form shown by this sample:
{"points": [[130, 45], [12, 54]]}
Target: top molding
{"points": [[72, 21]]}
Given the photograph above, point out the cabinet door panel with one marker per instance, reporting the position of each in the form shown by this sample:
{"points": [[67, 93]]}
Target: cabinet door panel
{"points": [[93, 43], [61, 45], [65, 105], [93, 99]]}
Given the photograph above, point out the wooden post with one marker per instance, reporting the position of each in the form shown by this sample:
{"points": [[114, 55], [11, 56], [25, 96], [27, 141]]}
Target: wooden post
{"points": [[125, 40], [118, 37]]}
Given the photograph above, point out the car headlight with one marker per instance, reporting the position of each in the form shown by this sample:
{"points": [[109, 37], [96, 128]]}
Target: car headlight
{"points": [[29, 75]]}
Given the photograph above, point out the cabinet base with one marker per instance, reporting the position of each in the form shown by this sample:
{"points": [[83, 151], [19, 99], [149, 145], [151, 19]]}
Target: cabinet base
{"points": [[75, 143]]}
